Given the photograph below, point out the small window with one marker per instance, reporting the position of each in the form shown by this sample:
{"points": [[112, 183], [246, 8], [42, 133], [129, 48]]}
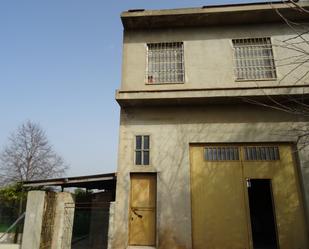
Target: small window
{"points": [[142, 152], [261, 153], [221, 153], [254, 59], [165, 63]]}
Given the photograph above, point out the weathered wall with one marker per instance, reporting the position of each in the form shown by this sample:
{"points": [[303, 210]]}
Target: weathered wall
{"points": [[63, 220], [208, 56], [172, 129]]}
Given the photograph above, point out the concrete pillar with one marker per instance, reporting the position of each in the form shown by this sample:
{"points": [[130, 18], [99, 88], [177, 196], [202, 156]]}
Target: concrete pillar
{"points": [[111, 225], [48, 221], [63, 221], [33, 220]]}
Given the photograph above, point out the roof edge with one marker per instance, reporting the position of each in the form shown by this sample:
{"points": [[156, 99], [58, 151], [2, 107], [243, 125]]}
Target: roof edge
{"points": [[211, 15]]}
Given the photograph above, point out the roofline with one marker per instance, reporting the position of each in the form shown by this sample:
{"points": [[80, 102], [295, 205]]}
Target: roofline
{"points": [[246, 4], [211, 6], [211, 15], [70, 180]]}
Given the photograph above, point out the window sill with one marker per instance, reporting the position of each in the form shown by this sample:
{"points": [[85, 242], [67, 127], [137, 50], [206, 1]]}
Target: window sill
{"points": [[164, 83], [246, 80]]}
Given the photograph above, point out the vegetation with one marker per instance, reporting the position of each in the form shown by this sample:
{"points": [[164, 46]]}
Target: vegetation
{"points": [[29, 156], [12, 199]]}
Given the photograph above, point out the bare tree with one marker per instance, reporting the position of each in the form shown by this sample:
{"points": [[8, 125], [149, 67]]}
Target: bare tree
{"points": [[295, 63], [29, 156]]}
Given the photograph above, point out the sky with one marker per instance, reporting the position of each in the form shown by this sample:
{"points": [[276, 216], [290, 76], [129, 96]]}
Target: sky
{"points": [[60, 64]]}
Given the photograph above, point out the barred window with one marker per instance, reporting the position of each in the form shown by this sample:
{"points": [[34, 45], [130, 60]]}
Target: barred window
{"points": [[261, 153], [165, 63], [221, 153], [254, 59], [142, 150]]}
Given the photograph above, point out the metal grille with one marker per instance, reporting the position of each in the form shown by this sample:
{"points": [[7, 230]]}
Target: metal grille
{"points": [[261, 153], [254, 59], [222, 153], [165, 63], [69, 210]]}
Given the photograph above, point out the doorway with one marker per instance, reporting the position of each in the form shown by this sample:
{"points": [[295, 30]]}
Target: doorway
{"points": [[263, 225]]}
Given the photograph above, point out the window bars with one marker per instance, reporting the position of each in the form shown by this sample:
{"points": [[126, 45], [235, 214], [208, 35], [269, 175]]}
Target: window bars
{"points": [[165, 63], [261, 153], [250, 153], [254, 59], [221, 153]]}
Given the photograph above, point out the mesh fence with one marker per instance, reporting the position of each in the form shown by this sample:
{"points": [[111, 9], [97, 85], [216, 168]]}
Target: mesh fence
{"points": [[90, 225], [11, 221]]}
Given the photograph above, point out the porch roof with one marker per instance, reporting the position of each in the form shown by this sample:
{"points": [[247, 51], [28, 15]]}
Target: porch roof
{"points": [[100, 181]]}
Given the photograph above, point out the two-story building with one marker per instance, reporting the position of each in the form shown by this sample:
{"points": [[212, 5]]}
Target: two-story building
{"points": [[206, 157]]}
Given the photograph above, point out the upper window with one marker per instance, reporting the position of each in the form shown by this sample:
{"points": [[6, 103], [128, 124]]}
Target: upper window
{"points": [[254, 59], [165, 63], [142, 150]]}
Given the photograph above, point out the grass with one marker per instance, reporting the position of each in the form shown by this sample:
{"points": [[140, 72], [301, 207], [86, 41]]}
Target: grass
{"points": [[4, 227]]}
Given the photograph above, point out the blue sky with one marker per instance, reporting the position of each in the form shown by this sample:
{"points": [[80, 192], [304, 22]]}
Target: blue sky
{"points": [[60, 64]]}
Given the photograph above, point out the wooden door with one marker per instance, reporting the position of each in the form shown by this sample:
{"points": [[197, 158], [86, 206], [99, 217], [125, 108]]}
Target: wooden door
{"points": [[142, 213]]}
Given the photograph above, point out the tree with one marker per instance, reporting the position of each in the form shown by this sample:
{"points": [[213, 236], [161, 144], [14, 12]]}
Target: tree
{"points": [[29, 156], [295, 63]]}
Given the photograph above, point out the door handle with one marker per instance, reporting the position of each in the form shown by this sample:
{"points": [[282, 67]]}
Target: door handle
{"points": [[248, 181], [134, 212]]}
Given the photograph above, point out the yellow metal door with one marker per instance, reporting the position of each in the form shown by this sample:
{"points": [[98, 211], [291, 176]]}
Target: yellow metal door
{"points": [[282, 172], [142, 212], [219, 195], [219, 218]]}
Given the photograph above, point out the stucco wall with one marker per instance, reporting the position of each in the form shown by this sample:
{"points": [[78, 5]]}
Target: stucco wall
{"points": [[172, 129], [208, 56]]}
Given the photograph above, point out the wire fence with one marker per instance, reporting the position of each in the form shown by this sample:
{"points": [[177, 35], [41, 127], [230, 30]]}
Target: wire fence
{"points": [[11, 222], [88, 228]]}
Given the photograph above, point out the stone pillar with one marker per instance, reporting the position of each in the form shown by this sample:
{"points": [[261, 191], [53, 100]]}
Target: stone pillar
{"points": [[63, 221], [33, 220]]}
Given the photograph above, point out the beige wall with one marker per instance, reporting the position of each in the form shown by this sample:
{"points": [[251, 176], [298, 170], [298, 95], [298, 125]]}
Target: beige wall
{"points": [[208, 56], [172, 129]]}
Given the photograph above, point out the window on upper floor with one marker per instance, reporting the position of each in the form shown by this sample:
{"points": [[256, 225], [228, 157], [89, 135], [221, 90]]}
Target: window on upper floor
{"points": [[142, 150], [254, 59], [165, 63]]}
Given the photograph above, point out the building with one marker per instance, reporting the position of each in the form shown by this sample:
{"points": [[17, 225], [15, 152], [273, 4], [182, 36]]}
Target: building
{"points": [[200, 166]]}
